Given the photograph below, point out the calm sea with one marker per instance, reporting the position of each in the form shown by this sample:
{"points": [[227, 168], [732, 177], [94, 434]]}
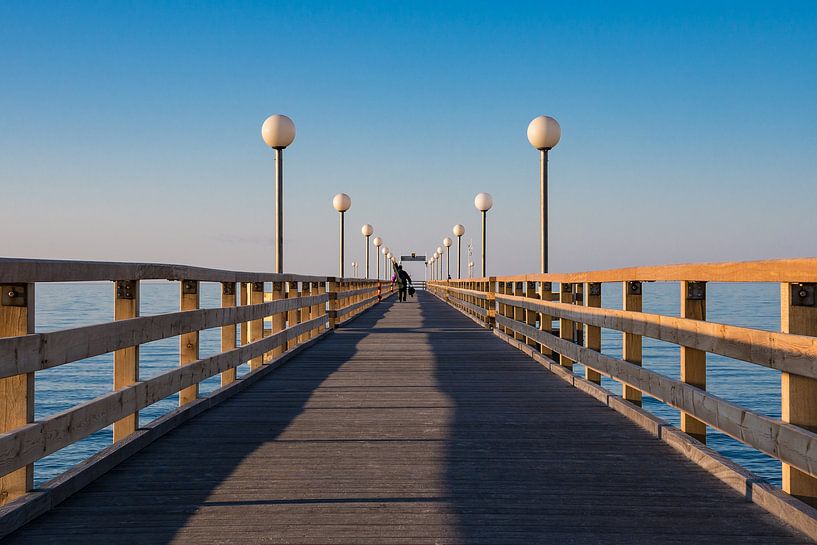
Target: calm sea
{"points": [[61, 306]]}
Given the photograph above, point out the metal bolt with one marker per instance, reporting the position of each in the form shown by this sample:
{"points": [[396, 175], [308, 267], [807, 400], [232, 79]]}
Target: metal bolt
{"points": [[12, 294]]}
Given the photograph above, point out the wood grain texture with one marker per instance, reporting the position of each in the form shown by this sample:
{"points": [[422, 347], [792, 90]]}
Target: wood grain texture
{"points": [[413, 425], [17, 393], [126, 360]]}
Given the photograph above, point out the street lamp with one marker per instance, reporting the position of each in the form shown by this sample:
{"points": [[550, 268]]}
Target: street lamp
{"points": [[278, 131], [458, 231], [385, 252], [470, 269], [377, 242], [440, 255], [342, 202], [483, 202], [543, 134], [367, 231]]}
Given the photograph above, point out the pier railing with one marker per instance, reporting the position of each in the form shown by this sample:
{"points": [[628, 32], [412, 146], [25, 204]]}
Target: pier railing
{"points": [[263, 317], [522, 310]]}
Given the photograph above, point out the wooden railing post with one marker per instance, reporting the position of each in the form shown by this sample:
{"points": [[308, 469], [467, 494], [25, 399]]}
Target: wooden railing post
{"points": [[244, 298], [693, 362], [256, 297], [306, 311], [546, 320], [530, 316], [126, 360], [292, 315], [592, 334], [189, 342], [333, 287], [798, 315], [631, 344], [567, 328], [489, 303], [228, 336], [279, 318], [518, 313], [16, 392]]}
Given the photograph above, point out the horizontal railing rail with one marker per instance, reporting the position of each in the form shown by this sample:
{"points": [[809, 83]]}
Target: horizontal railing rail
{"points": [[522, 310], [262, 317]]}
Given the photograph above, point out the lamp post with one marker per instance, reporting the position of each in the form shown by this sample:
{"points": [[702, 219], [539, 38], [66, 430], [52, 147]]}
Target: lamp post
{"points": [[342, 202], [470, 269], [278, 131], [440, 255], [367, 231], [483, 202], [377, 242], [458, 231], [385, 252], [433, 259], [447, 244], [543, 134]]}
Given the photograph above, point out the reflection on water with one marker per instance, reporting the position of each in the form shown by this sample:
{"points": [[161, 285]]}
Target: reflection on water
{"points": [[61, 306]]}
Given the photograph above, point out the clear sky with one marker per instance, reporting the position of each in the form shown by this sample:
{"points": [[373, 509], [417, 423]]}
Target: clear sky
{"points": [[131, 130]]}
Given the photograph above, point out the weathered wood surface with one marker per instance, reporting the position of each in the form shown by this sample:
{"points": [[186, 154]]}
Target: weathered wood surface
{"points": [[412, 425]]}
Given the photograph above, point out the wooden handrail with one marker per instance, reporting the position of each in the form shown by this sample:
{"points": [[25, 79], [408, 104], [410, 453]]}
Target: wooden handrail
{"points": [[770, 270], [514, 305], [296, 308]]}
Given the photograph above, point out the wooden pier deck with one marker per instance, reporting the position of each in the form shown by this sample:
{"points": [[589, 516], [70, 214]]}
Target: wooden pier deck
{"points": [[411, 425]]}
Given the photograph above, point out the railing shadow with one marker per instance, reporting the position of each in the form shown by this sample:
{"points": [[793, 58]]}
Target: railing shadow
{"points": [[204, 456]]}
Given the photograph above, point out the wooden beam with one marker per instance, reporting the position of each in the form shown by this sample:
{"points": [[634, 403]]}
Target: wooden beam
{"points": [[790, 353], [292, 316], [798, 315], [126, 360], [256, 297], [592, 334], [631, 344], [189, 342], [16, 392], [693, 361], [567, 328], [228, 332]]}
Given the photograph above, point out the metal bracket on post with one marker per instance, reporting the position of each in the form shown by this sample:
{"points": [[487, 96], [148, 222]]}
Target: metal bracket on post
{"points": [[634, 287], [696, 291], [804, 295], [228, 288], [126, 289], [257, 286], [190, 287], [594, 288], [566, 287], [14, 295]]}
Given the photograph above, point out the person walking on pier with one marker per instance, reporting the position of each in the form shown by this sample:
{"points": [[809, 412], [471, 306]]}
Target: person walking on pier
{"points": [[403, 281]]}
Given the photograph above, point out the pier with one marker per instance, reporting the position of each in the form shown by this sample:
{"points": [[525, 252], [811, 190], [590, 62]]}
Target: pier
{"points": [[456, 417]]}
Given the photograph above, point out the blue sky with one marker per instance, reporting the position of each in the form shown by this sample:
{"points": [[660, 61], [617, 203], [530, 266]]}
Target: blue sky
{"points": [[131, 131]]}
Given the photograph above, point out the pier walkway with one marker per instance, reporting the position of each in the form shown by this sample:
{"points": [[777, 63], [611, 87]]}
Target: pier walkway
{"points": [[411, 424]]}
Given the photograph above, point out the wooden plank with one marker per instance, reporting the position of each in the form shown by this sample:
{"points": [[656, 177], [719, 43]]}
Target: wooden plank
{"points": [[126, 360], [16, 392], [630, 343], [693, 361], [189, 342], [47, 270], [770, 270], [592, 334], [792, 353], [228, 332], [798, 393]]}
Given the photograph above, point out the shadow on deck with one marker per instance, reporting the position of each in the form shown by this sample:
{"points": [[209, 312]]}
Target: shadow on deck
{"points": [[411, 425]]}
